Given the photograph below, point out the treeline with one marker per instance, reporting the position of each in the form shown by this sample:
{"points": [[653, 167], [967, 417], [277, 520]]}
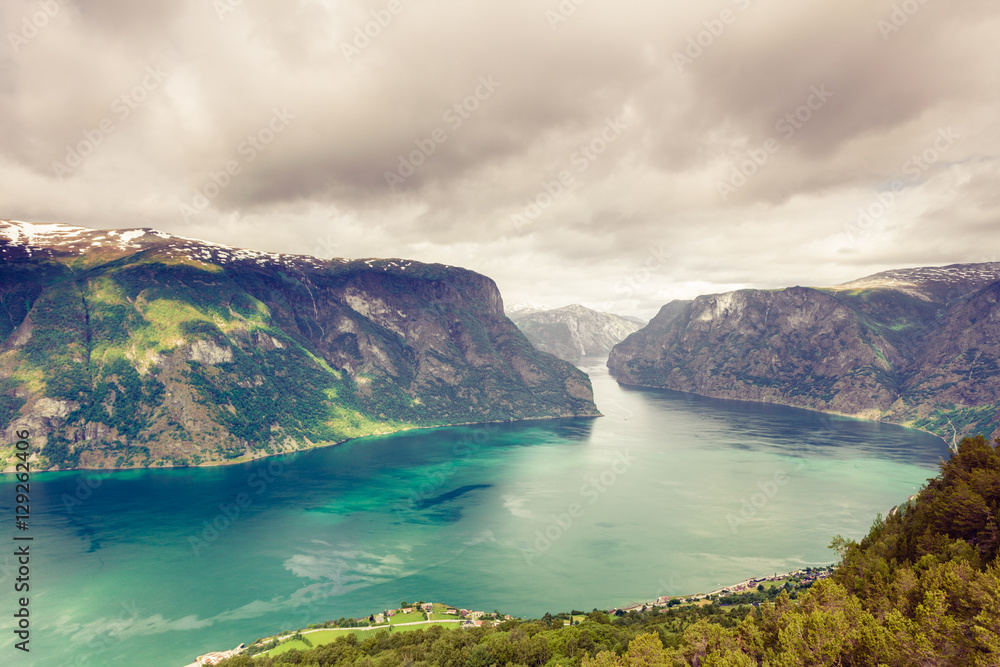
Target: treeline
{"points": [[539, 642], [923, 588]]}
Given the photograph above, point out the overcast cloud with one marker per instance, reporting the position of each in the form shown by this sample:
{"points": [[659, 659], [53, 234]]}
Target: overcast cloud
{"points": [[616, 154]]}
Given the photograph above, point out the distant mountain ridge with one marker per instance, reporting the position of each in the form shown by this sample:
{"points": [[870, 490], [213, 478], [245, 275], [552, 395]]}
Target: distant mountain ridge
{"points": [[919, 347], [932, 283], [573, 331], [126, 348]]}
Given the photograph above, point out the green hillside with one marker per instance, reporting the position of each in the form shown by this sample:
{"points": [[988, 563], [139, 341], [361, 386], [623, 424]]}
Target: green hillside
{"points": [[173, 352]]}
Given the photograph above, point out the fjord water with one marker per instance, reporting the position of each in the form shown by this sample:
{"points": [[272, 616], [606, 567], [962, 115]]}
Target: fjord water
{"points": [[665, 495]]}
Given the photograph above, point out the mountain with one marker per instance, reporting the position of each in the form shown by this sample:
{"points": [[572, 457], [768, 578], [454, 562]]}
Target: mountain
{"points": [[128, 348], [521, 309], [918, 347], [573, 331]]}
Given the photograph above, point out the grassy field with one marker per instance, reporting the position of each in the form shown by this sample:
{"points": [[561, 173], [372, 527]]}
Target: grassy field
{"points": [[318, 637], [410, 628], [325, 636], [412, 617], [322, 637], [435, 616]]}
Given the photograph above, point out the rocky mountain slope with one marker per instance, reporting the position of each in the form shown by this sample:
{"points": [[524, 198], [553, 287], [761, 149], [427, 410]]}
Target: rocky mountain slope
{"points": [[128, 348], [573, 331], [918, 347]]}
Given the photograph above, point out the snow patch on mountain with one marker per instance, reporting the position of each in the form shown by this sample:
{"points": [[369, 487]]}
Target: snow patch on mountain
{"points": [[928, 282], [56, 238]]}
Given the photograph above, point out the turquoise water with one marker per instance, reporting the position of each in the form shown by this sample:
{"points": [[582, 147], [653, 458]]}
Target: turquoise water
{"points": [[666, 494]]}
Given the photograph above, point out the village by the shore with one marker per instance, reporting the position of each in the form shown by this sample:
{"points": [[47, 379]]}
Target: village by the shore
{"points": [[806, 576], [438, 613], [433, 613]]}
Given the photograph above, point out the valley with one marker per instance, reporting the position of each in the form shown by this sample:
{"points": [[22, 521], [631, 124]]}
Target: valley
{"points": [[147, 562], [471, 467]]}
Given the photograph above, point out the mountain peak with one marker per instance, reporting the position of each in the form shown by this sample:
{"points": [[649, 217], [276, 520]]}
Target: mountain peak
{"points": [[525, 308], [67, 242]]}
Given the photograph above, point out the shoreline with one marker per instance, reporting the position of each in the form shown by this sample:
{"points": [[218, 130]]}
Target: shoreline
{"points": [[951, 446], [745, 586], [251, 459]]}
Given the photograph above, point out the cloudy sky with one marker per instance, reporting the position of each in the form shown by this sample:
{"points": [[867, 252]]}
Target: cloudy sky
{"points": [[617, 154]]}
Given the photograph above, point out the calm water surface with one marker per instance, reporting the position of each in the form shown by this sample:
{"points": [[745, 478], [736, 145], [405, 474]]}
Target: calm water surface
{"points": [[667, 494]]}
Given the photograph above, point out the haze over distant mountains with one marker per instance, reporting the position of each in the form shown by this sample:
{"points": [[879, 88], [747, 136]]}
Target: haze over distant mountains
{"points": [[573, 331], [127, 348], [919, 347]]}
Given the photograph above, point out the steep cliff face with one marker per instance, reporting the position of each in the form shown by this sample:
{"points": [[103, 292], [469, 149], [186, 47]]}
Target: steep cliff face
{"points": [[916, 346], [136, 348], [953, 386], [573, 332]]}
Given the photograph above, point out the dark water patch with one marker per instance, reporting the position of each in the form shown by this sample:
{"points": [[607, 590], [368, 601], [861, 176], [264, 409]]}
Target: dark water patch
{"points": [[450, 495]]}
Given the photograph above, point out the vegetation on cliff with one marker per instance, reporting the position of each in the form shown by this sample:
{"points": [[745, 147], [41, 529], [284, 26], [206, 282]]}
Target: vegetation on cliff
{"points": [[917, 347], [157, 350]]}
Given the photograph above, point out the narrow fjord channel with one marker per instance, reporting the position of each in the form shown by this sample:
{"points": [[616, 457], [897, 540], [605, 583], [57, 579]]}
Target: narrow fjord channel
{"points": [[667, 494]]}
